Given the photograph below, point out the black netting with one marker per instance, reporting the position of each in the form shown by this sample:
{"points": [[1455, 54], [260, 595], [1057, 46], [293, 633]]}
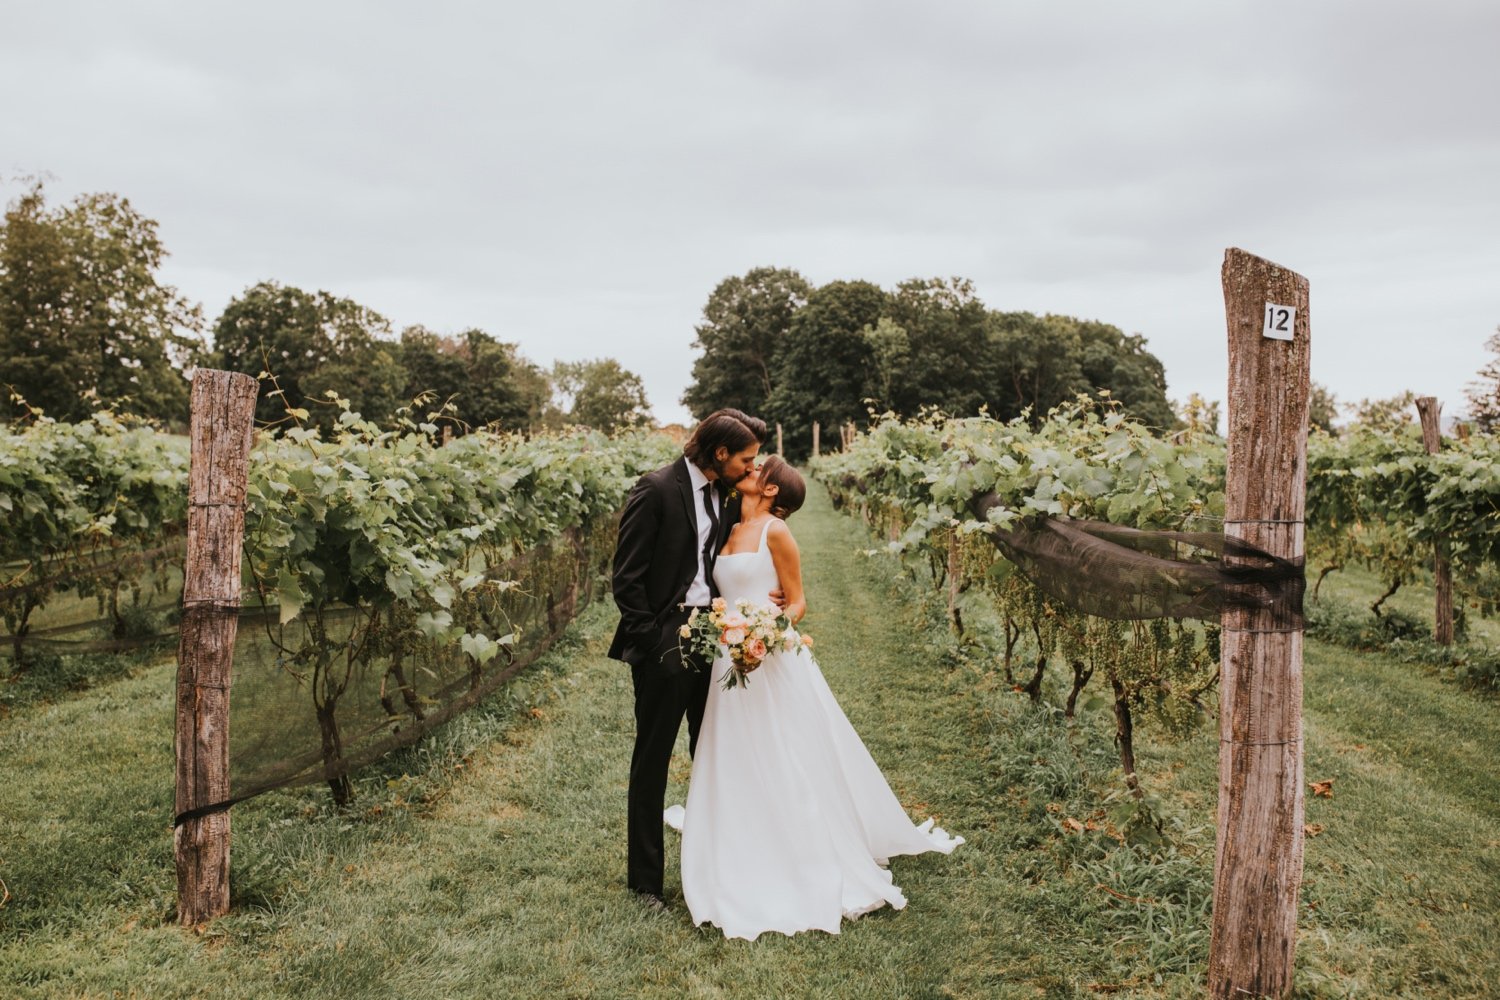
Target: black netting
{"points": [[337, 687], [1126, 573], [110, 600], [319, 697]]}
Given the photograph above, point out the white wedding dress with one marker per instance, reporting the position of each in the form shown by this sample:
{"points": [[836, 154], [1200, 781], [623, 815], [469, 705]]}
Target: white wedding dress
{"points": [[789, 822]]}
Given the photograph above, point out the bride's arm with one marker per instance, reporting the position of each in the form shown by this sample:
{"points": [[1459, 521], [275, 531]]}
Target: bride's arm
{"points": [[788, 562]]}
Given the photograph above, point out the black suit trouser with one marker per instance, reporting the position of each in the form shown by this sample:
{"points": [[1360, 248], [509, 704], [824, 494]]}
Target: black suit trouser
{"points": [[665, 689]]}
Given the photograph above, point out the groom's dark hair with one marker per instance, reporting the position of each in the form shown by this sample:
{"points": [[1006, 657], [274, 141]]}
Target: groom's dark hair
{"points": [[729, 428]]}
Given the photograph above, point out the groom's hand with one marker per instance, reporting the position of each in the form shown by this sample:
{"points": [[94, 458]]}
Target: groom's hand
{"points": [[778, 598]]}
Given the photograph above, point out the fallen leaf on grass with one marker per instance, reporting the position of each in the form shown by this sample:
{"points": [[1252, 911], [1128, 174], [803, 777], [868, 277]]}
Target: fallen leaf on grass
{"points": [[1313, 829], [1323, 789], [1072, 825]]}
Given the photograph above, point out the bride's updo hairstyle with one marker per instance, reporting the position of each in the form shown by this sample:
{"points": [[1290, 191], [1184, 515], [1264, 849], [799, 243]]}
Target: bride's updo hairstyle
{"points": [[728, 428], [790, 489]]}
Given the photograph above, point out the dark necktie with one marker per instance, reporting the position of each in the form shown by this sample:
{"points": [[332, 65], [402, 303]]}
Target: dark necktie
{"points": [[711, 546]]}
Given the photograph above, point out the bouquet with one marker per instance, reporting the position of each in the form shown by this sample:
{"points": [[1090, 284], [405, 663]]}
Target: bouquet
{"points": [[748, 633]]}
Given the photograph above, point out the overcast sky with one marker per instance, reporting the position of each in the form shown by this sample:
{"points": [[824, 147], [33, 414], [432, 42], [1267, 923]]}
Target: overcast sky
{"points": [[576, 177]]}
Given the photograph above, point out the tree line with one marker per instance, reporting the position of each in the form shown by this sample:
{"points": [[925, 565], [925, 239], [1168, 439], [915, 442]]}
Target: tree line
{"points": [[86, 322], [775, 345]]}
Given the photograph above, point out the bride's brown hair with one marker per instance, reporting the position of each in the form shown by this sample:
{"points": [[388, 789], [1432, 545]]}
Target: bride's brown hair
{"points": [[790, 489]]}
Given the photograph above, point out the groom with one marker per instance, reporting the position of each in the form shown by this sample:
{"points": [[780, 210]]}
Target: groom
{"points": [[675, 521]]}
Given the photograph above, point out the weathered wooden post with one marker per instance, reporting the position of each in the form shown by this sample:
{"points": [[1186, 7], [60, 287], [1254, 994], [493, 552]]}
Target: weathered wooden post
{"points": [[955, 565], [1258, 860], [816, 428], [779, 452], [223, 422], [1442, 571]]}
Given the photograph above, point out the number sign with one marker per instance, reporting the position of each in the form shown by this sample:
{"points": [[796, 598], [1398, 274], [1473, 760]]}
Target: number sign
{"points": [[1280, 321]]}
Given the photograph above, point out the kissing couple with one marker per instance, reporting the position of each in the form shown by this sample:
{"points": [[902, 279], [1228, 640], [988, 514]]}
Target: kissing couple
{"points": [[789, 823]]}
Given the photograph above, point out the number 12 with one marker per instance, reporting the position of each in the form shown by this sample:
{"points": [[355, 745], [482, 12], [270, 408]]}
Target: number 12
{"points": [[1280, 322]]}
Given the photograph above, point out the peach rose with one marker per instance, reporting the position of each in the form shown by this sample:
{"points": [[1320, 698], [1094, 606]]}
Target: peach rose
{"points": [[732, 636], [755, 649]]}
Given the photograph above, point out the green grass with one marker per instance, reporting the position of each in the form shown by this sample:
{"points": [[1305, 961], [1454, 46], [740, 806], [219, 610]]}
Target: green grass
{"points": [[489, 861], [1360, 588]]}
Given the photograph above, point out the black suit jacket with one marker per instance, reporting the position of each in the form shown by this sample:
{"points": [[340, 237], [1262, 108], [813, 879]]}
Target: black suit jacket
{"points": [[657, 555]]}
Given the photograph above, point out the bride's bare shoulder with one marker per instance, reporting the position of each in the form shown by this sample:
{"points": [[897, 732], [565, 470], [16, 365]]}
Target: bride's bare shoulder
{"points": [[778, 533]]}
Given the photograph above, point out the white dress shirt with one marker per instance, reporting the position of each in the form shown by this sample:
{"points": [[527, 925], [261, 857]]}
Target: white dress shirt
{"points": [[698, 593]]}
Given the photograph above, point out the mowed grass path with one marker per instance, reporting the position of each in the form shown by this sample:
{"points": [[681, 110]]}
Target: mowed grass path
{"points": [[490, 862]]}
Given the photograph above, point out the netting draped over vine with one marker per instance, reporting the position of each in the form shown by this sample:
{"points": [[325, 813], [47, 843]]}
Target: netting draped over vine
{"points": [[324, 695], [1098, 513], [388, 584], [1112, 571]]}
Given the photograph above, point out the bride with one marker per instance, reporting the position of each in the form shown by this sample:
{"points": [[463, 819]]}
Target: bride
{"points": [[789, 822]]}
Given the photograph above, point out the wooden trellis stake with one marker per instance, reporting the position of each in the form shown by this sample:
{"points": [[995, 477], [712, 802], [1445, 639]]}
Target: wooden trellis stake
{"points": [[779, 452], [1258, 857], [816, 428], [223, 422], [1442, 571], [955, 617]]}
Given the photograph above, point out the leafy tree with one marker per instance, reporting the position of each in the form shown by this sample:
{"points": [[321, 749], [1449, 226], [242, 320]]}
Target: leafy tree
{"points": [[84, 319], [601, 394], [1037, 361], [314, 344], [744, 322], [890, 353], [1042, 362], [1483, 394], [505, 389], [1322, 409], [931, 342], [948, 363], [488, 381], [433, 364], [1112, 359], [1388, 414], [825, 363]]}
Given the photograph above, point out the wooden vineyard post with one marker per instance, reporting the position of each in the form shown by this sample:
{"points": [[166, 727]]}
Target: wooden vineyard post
{"points": [[955, 617], [779, 452], [1258, 857], [815, 438], [1442, 571], [223, 421]]}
